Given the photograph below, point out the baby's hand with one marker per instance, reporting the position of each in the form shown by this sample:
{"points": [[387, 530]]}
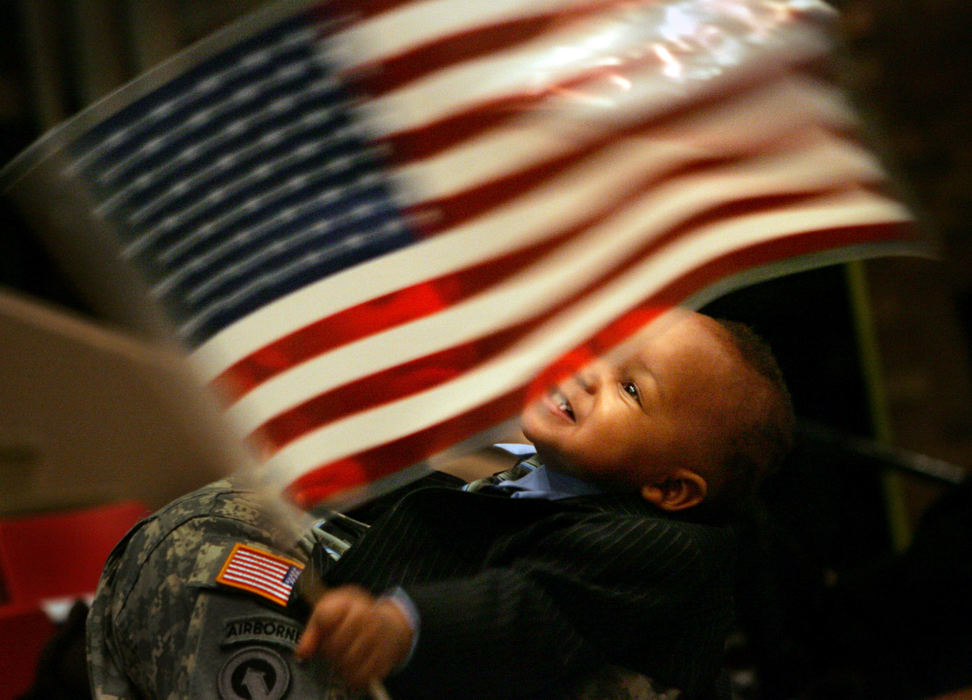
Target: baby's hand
{"points": [[362, 636]]}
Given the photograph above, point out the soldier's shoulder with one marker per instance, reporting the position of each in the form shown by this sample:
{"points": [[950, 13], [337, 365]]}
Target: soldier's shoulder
{"points": [[162, 581], [193, 532]]}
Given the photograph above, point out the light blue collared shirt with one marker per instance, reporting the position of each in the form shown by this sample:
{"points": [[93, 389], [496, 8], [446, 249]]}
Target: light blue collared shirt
{"points": [[546, 483], [542, 482]]}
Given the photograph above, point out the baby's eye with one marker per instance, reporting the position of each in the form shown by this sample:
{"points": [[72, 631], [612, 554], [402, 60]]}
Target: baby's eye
{"points": [[631, 388]]}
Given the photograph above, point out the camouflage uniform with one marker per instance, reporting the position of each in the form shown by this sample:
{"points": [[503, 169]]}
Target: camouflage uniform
{"points": [[162, 626]]}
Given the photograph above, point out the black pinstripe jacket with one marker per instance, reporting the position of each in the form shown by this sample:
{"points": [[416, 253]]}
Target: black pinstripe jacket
{"points": [[519, 595]]}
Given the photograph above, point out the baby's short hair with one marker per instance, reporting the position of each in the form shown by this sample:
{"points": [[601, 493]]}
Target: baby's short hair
{"points": [[765, 436]]}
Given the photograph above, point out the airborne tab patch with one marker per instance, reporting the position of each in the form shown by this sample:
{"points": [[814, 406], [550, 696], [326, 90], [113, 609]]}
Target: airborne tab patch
{"points": [[262, 629], [268, 575]]}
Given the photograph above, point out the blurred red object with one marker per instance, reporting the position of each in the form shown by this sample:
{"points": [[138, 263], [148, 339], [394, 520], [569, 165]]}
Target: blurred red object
{"points": [[45, 559]]}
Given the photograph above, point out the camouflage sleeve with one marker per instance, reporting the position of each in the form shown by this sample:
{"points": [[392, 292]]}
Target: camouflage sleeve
{"points": [[168, 623], [108, 680]]}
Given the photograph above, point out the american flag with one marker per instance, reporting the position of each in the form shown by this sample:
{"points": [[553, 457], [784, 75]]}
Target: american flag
{"points": [[263, 573], [375, 221]]}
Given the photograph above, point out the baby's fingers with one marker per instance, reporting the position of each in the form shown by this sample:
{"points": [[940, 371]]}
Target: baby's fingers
{"points": [[309, 641], [327, 619]]}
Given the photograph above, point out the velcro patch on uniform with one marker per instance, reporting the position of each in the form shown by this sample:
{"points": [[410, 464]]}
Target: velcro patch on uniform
{"points": [[268, 575]]}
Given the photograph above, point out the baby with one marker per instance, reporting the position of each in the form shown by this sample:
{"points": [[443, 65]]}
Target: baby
{"points": [[684, 423], [693, 415]]}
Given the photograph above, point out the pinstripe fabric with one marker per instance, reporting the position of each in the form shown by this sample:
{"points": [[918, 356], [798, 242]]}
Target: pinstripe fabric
{"points": [[518, 596]]}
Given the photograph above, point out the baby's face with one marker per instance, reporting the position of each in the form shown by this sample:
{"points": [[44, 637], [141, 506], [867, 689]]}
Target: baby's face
{"points": [[669, 402]]}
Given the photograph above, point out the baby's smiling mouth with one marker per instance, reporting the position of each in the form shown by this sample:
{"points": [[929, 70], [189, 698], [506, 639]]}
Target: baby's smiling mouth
{"points": [[562, 403]]}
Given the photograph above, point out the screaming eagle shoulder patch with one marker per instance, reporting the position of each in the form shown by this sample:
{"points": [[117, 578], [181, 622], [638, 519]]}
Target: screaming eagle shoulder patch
{"points": [[257, 571]]}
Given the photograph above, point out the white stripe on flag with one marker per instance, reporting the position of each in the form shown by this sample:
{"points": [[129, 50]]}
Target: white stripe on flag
{"points": [[414, 23]]}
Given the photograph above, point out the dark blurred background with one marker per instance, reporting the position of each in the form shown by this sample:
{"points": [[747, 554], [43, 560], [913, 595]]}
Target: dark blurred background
{"points": [[856, 582]]}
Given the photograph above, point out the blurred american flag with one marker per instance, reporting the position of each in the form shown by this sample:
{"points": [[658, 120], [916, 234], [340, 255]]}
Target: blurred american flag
{"points": [[374, 222]]}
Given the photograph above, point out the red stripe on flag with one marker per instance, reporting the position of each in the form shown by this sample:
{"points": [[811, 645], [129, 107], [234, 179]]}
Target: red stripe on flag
{"points": [[779, 250], [343, 327], [393, 71], [446, 213], [373, 464], [383, 387]]}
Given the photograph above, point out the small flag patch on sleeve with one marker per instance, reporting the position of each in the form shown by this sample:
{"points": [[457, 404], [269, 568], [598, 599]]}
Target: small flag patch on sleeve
{"points": [[254, 570]]}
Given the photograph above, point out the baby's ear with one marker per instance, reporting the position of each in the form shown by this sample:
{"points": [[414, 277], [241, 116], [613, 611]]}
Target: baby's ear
{"points": [[679, 490]]}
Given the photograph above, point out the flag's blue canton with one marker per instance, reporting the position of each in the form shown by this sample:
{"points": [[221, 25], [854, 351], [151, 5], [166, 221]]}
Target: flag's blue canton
{"points": [[290, 578], [242, 180]]}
